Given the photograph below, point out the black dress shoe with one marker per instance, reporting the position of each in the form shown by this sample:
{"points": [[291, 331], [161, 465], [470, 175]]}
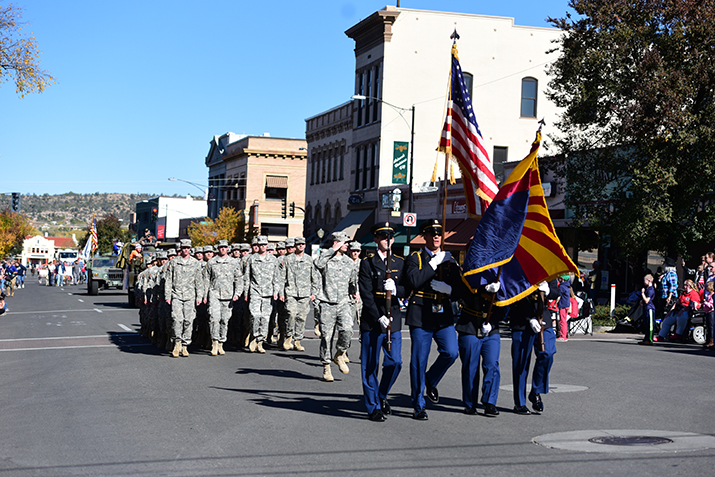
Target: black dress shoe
{"points": [[432, 393], [523, 410], [385, 407], [377, 416], [491, 410], [420, 415], [535, 399], [470, 410]]}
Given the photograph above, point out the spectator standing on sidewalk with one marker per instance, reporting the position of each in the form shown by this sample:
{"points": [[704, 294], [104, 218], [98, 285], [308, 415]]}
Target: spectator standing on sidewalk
{"points": [[564, 307], [648, 305]]}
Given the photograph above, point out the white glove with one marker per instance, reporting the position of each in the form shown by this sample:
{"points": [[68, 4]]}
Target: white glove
{"points": [[544, 287], [535, 325], [441, 287], [439, 257], [493, 287], [486, 328], [384, 322], [390, 286]]}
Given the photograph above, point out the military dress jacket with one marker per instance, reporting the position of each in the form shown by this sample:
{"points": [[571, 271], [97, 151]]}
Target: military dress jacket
{"points": [[523, 310], [224, 278], [475, 309], [371, 280], [338, 277], [424, 301]]}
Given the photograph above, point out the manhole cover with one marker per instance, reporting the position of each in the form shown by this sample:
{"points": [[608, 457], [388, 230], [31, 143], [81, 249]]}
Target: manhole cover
{"points": [[630, 440], [626, 441]]}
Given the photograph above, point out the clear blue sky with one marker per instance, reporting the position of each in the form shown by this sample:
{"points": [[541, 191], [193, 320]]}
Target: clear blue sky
{"points": [[143, 86]]}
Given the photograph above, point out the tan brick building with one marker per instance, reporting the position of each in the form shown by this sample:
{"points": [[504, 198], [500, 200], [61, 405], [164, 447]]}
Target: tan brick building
{"points": [[254, 175]]}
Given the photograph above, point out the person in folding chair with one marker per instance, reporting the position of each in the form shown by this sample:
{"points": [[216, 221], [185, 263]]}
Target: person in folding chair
{"points": [[527, 318]]}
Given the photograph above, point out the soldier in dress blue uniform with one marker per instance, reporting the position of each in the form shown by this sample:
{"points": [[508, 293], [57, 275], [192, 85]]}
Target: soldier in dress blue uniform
{"points": [[479, 339], [526, 318], [435, 279], [374, 284]]}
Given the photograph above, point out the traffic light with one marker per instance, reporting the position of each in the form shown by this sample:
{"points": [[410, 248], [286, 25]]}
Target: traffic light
{"points": [[154, 213], [15, 202], [283, 207], [292, 209]]}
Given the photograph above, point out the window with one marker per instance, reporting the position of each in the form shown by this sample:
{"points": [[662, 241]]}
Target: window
{"points": [[498, 159], [329, 164], [376, 93], [280, 230], [322, 167], [357, 168], [469, 82], [365, 167], [373, 169], [368, 93], [334, 155], [528, 97], [360, 101], [276, 187], [313, 162], [342, 162]]}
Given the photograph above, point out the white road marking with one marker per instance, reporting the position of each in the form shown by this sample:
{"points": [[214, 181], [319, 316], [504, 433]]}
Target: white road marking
{"points": [[63, 337], [80, 300], [76, 347], [98, 310], [125, 328]]}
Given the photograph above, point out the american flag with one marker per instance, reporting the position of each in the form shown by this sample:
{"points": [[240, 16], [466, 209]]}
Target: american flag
{"points": [[93, 236], [462, 139]]}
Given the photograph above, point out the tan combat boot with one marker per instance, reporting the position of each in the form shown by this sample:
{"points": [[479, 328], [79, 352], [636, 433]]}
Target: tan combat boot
{"points": [[177, 349], [259, 347], [184, 351], [327, 374], [345, 357], [252, 346], [340, 361], [247, 340], [288, 343], [317, 330], [214, 347], [297, 346], [220, 349]]}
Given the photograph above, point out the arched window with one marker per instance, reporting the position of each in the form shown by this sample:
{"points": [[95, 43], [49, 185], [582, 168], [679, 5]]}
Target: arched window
{"points": [[338, 213], [469, 81], [529, 87], [327, 212], [308, 212], [317, 213]]}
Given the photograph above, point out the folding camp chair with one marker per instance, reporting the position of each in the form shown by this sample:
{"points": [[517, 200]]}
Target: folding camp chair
{"points": [[583, 323]]}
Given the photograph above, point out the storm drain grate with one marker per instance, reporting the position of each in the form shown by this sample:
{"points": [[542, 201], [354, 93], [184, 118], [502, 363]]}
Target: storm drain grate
{"points": [[630, 440]]}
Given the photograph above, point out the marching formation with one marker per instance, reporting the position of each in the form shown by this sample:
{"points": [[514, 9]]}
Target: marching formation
{"points": [[261, 294]]}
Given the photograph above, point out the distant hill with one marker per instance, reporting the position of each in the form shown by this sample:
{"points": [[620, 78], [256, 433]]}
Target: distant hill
{"points": [[75, 209]]}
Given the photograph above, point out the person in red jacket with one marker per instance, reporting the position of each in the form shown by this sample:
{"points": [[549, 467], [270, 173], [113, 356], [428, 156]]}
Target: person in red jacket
{"points": [[688, 301]]}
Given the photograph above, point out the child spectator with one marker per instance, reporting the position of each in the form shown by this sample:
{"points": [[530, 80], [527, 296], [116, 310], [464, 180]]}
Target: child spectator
{"points": [[648, 305]]}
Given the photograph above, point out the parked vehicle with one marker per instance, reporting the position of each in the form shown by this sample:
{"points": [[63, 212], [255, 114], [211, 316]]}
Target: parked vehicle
{"points": [[102, 274]]}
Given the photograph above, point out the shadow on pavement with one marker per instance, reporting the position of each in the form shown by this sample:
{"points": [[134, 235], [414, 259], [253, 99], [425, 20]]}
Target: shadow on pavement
{"points": [[129, 342]]}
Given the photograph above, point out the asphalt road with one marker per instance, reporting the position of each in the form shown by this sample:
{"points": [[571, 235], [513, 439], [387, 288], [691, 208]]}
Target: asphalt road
{"points": [[82, 394]]}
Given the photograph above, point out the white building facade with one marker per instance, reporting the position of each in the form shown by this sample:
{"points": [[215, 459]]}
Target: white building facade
{"points": [[402, 58]]}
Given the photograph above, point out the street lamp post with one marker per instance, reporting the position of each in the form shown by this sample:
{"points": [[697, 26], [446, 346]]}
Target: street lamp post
{"points": [[198, 186], [410, 200]]}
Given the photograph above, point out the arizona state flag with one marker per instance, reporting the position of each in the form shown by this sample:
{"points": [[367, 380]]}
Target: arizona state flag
{"points": [[517, 234]]}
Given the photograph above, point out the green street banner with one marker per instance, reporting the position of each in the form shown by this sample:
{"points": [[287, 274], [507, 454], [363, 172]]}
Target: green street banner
{"points": [[399, 163]]}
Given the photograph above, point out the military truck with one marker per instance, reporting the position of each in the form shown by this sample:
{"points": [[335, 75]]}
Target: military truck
{"points": [[102, 274]]}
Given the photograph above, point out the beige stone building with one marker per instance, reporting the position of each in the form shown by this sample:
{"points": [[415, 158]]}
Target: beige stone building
{"points": [[257, 175]]}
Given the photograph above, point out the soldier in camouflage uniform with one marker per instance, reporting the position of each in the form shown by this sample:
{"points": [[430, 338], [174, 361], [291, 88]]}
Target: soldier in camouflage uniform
{"points": [[183, 290], [234, 324], [225, 285], [338, 281], [246, 328], [142, 285], [164, 307], [299, 281], [259, 284], [201, 324], [354, 250], [278, 314], [158, 330]]}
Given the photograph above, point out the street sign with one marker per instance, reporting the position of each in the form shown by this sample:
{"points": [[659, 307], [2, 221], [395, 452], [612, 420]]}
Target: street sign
{"points": [[409, 219]]}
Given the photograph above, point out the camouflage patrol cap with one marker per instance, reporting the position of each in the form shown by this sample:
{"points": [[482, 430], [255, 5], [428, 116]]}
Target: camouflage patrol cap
{"points": [[235, 246], [171, 252], [161, 255], [244, 247], [209, 248], [185, 243], [271, 246], [300, 240], [290, 242], [281, 246], [177, 247], [339, 237], [254, 241], [262, 240], [193, 250], [223, 243], [354, 245]]}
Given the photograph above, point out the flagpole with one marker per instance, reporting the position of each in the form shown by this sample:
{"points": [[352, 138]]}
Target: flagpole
{"points": [[454, 36]]}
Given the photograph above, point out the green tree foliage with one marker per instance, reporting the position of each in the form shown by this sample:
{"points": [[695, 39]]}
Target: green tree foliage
{"points": [[229, 225], [109, 229], [14, 228], [636, 80], [19, 56]]}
